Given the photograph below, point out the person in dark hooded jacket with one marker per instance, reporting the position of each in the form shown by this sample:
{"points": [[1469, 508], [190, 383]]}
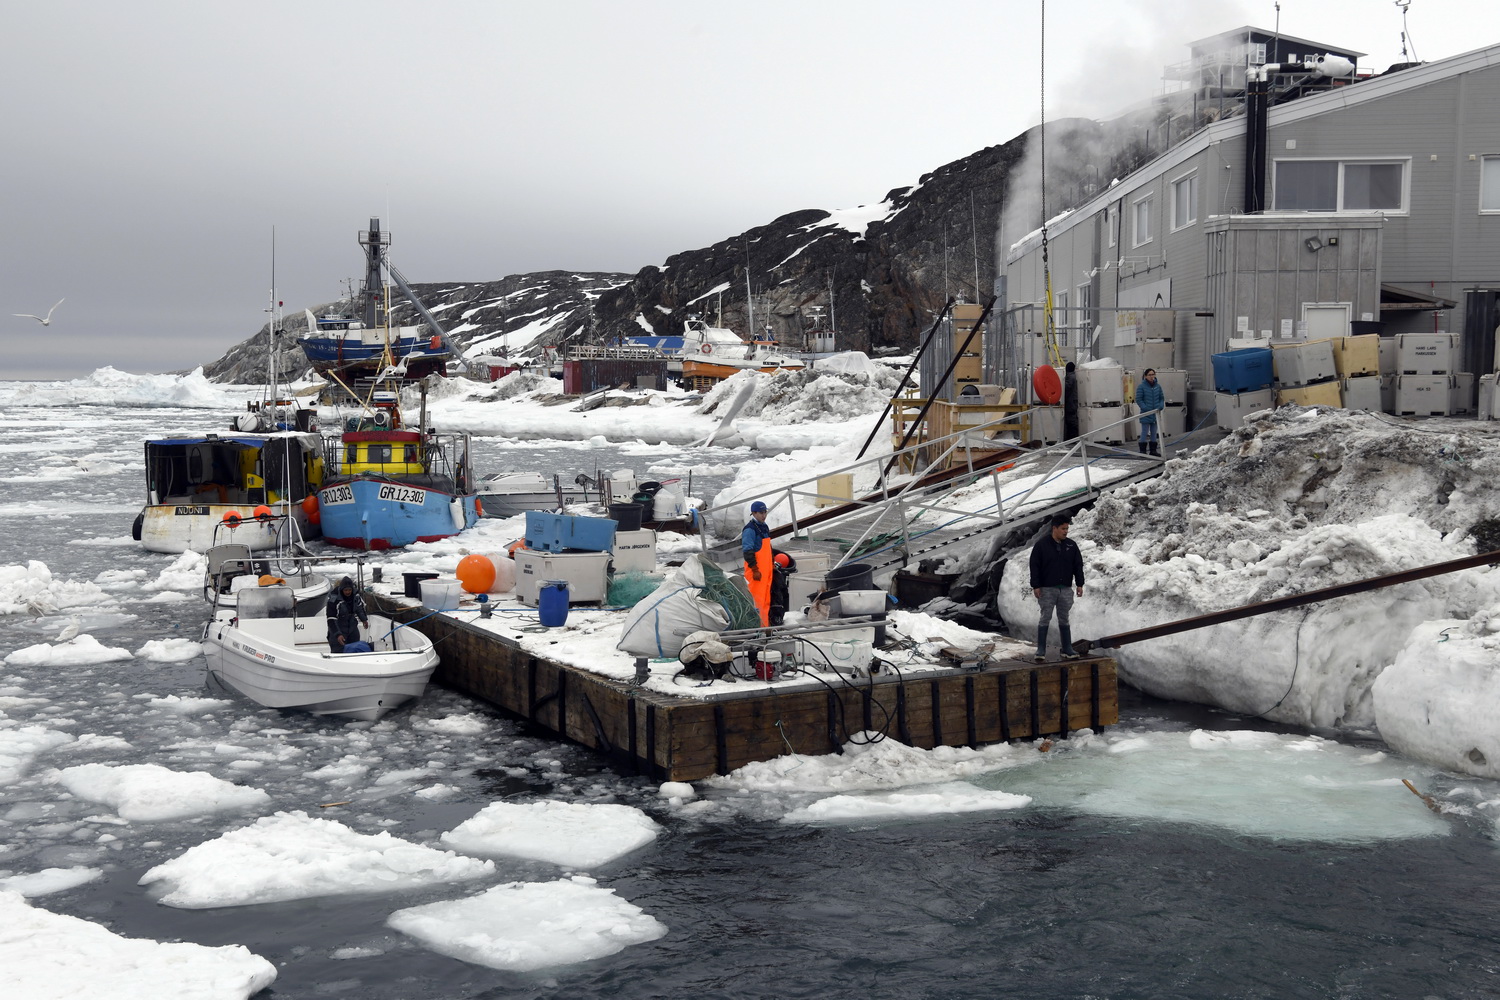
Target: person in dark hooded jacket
{"points": [[346, 613]]}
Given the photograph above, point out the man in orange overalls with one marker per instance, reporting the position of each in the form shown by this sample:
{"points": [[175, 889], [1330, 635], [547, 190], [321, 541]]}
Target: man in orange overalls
{"points": [[755, 541]]}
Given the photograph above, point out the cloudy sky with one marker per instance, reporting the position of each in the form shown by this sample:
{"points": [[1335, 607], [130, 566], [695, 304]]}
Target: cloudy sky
{"points": [[154, 145]]}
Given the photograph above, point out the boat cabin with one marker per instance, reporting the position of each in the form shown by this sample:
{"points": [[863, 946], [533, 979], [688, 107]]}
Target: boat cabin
{"points": [[383, 452], [239, 469]]}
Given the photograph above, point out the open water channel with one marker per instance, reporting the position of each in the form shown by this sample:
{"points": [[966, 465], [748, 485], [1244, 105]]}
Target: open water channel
{"points": [[1156, 874]]}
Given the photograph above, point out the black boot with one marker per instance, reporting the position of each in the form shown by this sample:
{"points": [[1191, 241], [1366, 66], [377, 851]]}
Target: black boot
{"points": [[1067, 642], [1143, 447], [1156, 449], [1041, 644]]}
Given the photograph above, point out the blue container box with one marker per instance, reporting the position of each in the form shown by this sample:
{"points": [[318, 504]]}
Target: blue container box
{"points": [[1243, 371], [548, 532]]}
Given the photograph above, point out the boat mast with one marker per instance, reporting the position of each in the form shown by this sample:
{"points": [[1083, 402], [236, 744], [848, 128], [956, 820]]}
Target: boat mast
{"points": [[749, 302], [374, 241]]}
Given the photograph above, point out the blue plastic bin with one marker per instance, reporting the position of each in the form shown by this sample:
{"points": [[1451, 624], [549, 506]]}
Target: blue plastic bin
{"points": [[548, 532], [1243, 371]]}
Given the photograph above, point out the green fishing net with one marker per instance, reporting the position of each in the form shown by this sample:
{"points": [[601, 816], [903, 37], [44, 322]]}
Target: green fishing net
{"points": [[627, 589], [731, 593]]}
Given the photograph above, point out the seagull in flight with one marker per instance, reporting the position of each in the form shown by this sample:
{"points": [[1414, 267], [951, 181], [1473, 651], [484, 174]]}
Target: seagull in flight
{"points": [[47, 321]]}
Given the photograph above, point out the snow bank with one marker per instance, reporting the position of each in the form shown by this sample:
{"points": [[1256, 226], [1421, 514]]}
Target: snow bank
{"points": [[293, 856], [50, 955], [49, 880], [1295, 501], [150, 793], [523, 926], [570, 834], [1435, 703], [111, 387]]}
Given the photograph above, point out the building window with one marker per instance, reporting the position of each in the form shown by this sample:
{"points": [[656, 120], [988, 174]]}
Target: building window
{"points": [[1143, 221], [1340, 186], [1085, 308], [1112, 222], [1060, 317], [1185, 201], [1489, 184]]}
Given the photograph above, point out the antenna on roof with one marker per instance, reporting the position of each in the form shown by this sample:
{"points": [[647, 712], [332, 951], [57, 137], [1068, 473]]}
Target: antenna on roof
{"points": [[1406, 35]]}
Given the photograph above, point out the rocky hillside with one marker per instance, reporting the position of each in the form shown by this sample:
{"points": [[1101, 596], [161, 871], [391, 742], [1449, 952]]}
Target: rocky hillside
{"points": [[885, 269]]}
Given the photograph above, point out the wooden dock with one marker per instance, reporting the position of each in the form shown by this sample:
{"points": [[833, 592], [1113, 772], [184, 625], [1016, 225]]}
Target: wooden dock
{"points": [[683, 739]]}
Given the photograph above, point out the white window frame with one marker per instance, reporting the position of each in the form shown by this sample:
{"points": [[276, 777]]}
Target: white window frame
{"points": [[1350, 161], [1191, 177], [1111, 220], [1489, 163], [1135, 220], [1085, 303], [1060, 308]]}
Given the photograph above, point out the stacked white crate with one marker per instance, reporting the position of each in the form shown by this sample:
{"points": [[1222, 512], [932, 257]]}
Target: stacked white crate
{"points": [[1034, 351], [1461, 396], [1231, 408], [1358, 361], [1306, 373], [1487, 397], [1425, 366], [1101, 402], [1154, 336]]}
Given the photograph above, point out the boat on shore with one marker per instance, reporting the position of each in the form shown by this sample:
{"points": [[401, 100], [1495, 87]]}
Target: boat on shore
{"points": [[506, 494], [709, 356], [267, 640]]}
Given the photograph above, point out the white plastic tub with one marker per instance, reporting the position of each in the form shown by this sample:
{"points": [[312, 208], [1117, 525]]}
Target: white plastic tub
{"points": [[441, 594], [861, 602]]}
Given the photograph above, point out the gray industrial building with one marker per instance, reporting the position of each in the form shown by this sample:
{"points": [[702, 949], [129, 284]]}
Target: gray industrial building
{"points": [[1306, 200]]}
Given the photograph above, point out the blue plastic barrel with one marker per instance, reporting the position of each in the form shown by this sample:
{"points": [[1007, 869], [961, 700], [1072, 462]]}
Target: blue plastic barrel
{"points": [[552, 603]]}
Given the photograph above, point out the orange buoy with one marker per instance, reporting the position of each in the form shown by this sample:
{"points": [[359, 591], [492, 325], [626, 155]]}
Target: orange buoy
{"points": [[232, 518], [311, 509], [476, 574], [1047, 384], [262, 513], [519, 543]]}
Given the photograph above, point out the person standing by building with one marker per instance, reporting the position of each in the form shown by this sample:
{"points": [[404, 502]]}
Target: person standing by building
{"points": [[1149, 400], [1056, 568], [755, 543]]}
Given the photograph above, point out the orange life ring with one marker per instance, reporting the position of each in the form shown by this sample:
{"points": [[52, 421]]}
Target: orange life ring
{"points": [[706, 349]]}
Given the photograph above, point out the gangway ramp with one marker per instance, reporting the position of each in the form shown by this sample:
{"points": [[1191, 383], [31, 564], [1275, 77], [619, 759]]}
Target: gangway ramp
{"points": [[901, 518]]}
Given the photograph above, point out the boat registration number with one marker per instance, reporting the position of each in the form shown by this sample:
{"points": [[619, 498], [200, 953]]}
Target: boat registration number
{"points": [[336, 495], [189, 511], [403, 494]]}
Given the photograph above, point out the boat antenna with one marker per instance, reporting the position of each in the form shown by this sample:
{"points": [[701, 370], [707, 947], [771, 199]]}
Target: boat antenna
{"points": [[749, 302], [1406, 35]]}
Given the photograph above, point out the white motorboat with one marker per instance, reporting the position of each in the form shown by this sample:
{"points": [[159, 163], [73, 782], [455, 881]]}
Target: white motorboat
{"points": [[268, 641], [506, 494]]}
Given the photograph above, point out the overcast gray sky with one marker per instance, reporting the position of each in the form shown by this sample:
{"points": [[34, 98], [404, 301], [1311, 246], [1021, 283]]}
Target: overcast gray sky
{"points": [[153, 145]]}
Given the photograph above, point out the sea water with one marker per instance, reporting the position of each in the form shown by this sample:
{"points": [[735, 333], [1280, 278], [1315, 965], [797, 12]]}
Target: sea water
{"points": [[1184, 853]]}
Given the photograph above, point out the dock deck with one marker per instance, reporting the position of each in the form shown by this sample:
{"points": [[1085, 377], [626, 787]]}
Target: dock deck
{"points": [[571, 681]]}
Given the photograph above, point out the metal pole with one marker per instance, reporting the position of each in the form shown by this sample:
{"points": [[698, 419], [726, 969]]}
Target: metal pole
{"points": [[926, 342], [947, 374]]}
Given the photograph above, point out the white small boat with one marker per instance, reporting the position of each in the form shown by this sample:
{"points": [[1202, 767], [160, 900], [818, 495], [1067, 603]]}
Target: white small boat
{"points": [[506, 494], [268, 641]]}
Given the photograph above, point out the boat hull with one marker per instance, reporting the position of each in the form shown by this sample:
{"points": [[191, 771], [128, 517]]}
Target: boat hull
{"points": [[715, 370], [175, 528], [285, 664], [374, 514]]}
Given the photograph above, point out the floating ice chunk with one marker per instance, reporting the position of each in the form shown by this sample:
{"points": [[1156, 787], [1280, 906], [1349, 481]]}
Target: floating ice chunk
{"points": [[437, 792], [49, 880], [906, 803], [170, 650], [677, 790], [79, 651], [523, 926], [355, 951], [51, 955], [570, 834], [31, 589], [292, 856], [184, 574], [466, 724], [869, 763], [150, 793], [189, 706], [19, 747]]}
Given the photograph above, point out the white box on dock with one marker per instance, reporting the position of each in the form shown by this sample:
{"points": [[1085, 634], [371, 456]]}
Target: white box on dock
{"points": [[1461, 395], [1388, 356], [801, 585], [1303, 364], [1047, 424], [1094, 423], [1487, 397], [1153, 354], [1171, 422], [1426, 353], [1362, 393], [1388, 393], [808, 561], [1230, 408], [1423, 395], [635, 551], [1101, 386], [587, 574]]}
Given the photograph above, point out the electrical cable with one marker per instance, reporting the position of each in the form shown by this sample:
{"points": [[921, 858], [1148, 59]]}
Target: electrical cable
{"points": [[1296, 664]]}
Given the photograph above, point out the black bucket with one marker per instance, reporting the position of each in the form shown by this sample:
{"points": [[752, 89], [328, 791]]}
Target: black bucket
{"points": [[411, 583], [852, 576], [647, 502], [627, 515]]}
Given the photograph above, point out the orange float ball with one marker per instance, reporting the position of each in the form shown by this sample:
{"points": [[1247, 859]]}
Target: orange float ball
{"points": [[476, 574], [232, 518], [310, 508], [262, 513]]}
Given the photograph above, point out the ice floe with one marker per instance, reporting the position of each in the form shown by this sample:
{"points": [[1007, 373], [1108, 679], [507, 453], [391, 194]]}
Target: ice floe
{"points": [[570, 834], [150, 793]]}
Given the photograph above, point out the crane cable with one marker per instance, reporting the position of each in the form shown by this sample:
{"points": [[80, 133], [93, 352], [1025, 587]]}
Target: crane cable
{"points": [[1049, 320]]}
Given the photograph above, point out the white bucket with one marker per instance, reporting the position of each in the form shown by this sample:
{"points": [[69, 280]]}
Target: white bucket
{"points": [[441, 594]]}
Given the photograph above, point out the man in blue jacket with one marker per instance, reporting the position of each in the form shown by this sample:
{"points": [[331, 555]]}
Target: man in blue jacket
{"points": [[1056, 568], [1150, 400], [755, 545]]}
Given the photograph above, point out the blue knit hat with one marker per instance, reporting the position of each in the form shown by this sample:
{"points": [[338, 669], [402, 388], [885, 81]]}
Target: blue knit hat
{"points": [[758, 507]]}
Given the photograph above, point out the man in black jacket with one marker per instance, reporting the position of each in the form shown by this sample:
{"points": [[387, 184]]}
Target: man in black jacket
{"points": [[346, 613], [1056, 568]]}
